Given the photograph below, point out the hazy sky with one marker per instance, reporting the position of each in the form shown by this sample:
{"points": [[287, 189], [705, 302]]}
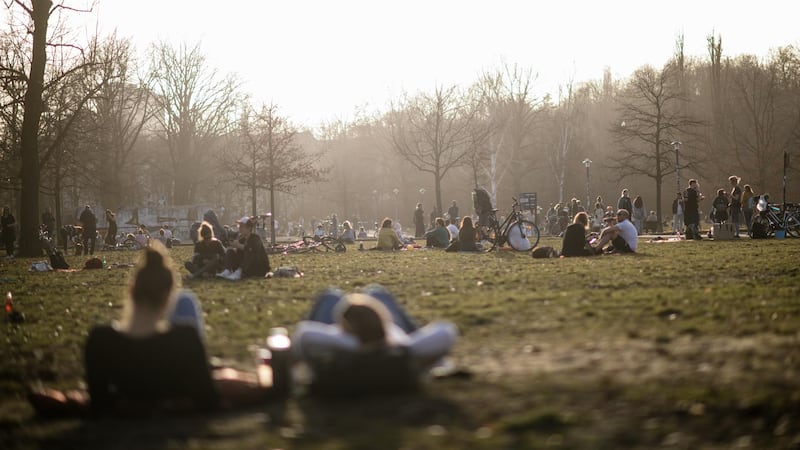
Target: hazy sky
{"points": [[319, 60]]}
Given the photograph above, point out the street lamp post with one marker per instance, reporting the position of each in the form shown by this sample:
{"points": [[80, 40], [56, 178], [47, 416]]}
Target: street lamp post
{"points": [[375, 194], [587, 162], [677, 146], [396, 210]]}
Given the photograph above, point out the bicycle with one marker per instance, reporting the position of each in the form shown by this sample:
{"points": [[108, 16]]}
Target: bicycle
{"points": [[784, 217], [497, 233]]}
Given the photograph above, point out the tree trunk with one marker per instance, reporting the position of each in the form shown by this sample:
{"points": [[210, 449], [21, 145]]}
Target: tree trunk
{"points": [[31, 171]]}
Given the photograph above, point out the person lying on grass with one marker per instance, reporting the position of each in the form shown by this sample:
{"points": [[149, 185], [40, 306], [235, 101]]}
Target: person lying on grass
{"points": [[144, 363], [368, 323], [622, 235]]}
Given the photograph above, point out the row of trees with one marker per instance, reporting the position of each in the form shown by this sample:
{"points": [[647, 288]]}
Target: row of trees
{"points": [[95, 123], [87, 121]]}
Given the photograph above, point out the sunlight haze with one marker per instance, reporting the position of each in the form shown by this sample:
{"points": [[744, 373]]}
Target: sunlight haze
{"points": [[322, 60]]}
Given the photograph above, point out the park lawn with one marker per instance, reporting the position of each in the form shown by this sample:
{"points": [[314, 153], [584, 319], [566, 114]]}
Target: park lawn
{"points": [[686, 344]]}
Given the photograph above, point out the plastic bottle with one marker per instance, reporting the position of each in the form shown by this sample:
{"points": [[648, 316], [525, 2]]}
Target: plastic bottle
{"points": [[279, 346], [9, 303], [361, 246], [104, 261]]}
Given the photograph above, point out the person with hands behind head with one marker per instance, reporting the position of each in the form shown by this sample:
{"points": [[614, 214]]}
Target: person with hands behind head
{"points": [[246, 256]]}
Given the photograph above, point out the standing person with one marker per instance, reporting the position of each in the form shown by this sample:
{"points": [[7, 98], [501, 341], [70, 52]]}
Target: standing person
{"points": [[638, 214], [89, 222], [735, 203], [677, 214], [597, 217], [9, 225], [334, 226], [748, 204], [624, 202], [111, 234], [246, 257], [452, 212], [419, 221], [691, 216]]}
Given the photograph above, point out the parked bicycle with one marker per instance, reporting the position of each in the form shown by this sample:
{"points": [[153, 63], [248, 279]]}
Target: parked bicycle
{"points": [[308, 244], [497, 234], [779, 217]]}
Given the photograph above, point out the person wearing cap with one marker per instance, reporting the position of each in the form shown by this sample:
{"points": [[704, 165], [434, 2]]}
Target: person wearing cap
{"points": [[622, 235], [246, 256]]}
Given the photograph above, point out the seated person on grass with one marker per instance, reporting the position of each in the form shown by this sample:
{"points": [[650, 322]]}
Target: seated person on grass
{"points": [[348, 233], [209, 253], [574, 242], [246, 256], [622, 236], [387, 237], [148, 361], [467, 238], [438, 237], [341, 327]]}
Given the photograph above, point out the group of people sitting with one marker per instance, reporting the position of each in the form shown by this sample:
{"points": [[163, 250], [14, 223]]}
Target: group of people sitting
{"points": [[244, 257], [443, 235], [618, 236], [155, 359]]}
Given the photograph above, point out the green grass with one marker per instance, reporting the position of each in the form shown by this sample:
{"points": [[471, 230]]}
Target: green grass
{"points": [[689, 344]]}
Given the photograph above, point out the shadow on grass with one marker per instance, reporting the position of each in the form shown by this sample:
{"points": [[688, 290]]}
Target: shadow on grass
{"points": [[354, 423]]}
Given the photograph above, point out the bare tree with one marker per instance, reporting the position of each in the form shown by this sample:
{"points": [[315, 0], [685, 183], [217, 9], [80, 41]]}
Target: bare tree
{"points": [[652, 116], [121, 109], [511, 108], [432, 132], [268, 158], [196, 107], [73, 64], [565, 119], [760, 124]]}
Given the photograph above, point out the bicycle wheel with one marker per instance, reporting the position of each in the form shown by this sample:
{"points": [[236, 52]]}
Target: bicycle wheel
{"points": [[530, 231], [489, 238], [792, 225]]}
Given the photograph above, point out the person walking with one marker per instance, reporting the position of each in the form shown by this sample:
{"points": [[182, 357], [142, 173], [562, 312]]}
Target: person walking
{"points": [[639, 214], [111, 233], [735, 204], [9, 226], [89, 222], [452, 212], [625, 203], [691, 216], [677, 214], [419, 221], [748, 204]]}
